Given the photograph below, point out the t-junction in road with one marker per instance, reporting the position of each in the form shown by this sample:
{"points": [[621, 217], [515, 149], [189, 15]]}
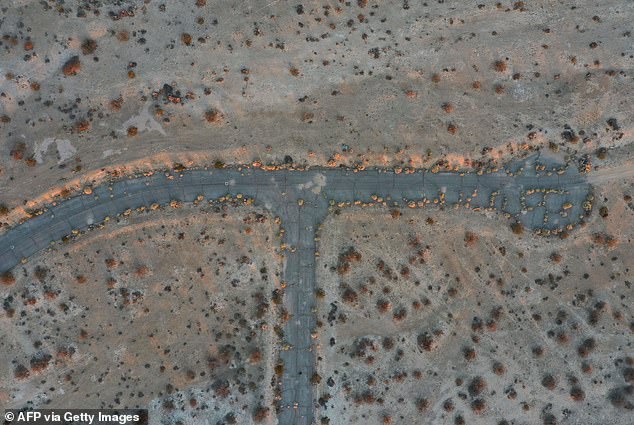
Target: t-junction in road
{"points": [[534, 194]]}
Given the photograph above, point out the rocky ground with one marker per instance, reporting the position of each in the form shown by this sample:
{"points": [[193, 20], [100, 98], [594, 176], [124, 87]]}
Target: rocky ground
{"points": [[169, 310], [448, 318]]}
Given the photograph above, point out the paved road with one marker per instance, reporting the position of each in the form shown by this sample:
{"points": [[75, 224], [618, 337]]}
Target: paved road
{"points": [[536, 197]]}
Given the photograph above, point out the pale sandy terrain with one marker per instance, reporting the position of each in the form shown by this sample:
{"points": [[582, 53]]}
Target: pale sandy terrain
{"points": [[358, 81], [426, 316], [447, 317], [168, 310]]}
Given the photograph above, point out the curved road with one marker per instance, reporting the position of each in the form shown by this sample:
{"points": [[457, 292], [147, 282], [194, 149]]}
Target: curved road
{"points": [[301, 199]]}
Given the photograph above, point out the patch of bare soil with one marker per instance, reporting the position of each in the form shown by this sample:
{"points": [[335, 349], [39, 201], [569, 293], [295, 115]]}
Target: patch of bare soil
{"points": [[169, 311], [447, 317]]}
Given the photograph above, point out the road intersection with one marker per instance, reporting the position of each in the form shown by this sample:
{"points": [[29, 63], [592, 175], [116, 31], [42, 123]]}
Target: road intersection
{"points": [[539, 195]]}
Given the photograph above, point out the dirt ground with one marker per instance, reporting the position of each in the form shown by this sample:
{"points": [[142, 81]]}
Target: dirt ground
{"points": [[447, 317], [91, 84], [169, 310], [440, 317]]}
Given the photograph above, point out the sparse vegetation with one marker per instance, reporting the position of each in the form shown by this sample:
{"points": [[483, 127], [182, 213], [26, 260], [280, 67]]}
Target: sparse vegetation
{"points": [[7, 278], [72, 66], [88, 46], [499, 66]]}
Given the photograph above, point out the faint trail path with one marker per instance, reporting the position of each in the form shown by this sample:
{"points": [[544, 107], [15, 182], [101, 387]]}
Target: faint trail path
{"points": [[624, 171], [302, 199]]}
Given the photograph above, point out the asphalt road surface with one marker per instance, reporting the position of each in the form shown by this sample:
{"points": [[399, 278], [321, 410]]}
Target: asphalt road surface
{"points": [[531, 191]]}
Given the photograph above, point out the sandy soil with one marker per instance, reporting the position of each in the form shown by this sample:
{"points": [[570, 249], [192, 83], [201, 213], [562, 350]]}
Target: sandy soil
{"points": [[440, 317], [379, 83], [168, 310], [448, 318]]}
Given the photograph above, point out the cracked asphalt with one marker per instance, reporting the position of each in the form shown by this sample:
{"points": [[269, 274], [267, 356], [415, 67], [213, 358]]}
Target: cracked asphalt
{"points": [[534, 192]]}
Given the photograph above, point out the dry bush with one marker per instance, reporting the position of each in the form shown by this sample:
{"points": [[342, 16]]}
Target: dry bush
{"points": [[603, 212], [586, 367], [65, 352], [347, 257], [279, 369], [255, 356], [388, 343], [469, 353], [111, 263], [221, 388], [400, 314], [478, 406], [308, 117], [350, 295], [214, 116], [426, 342], [115, 104], [361, 347], [477, 386], [499, 66], [383, 305], [550, 419], [82, 125], [141, 271], [21, 372], [186, 39], [517, 228], [562, 337], [604, 239], [621, 397], [260, 414], [498, 368], [577, 394], [7, 278], [40, 273], [422, 404], [365, 398], [586, 347], [18, 151], [40, 361], [470, 238], [190, 374], [549, 381], [72, 66], [89, 46]]}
